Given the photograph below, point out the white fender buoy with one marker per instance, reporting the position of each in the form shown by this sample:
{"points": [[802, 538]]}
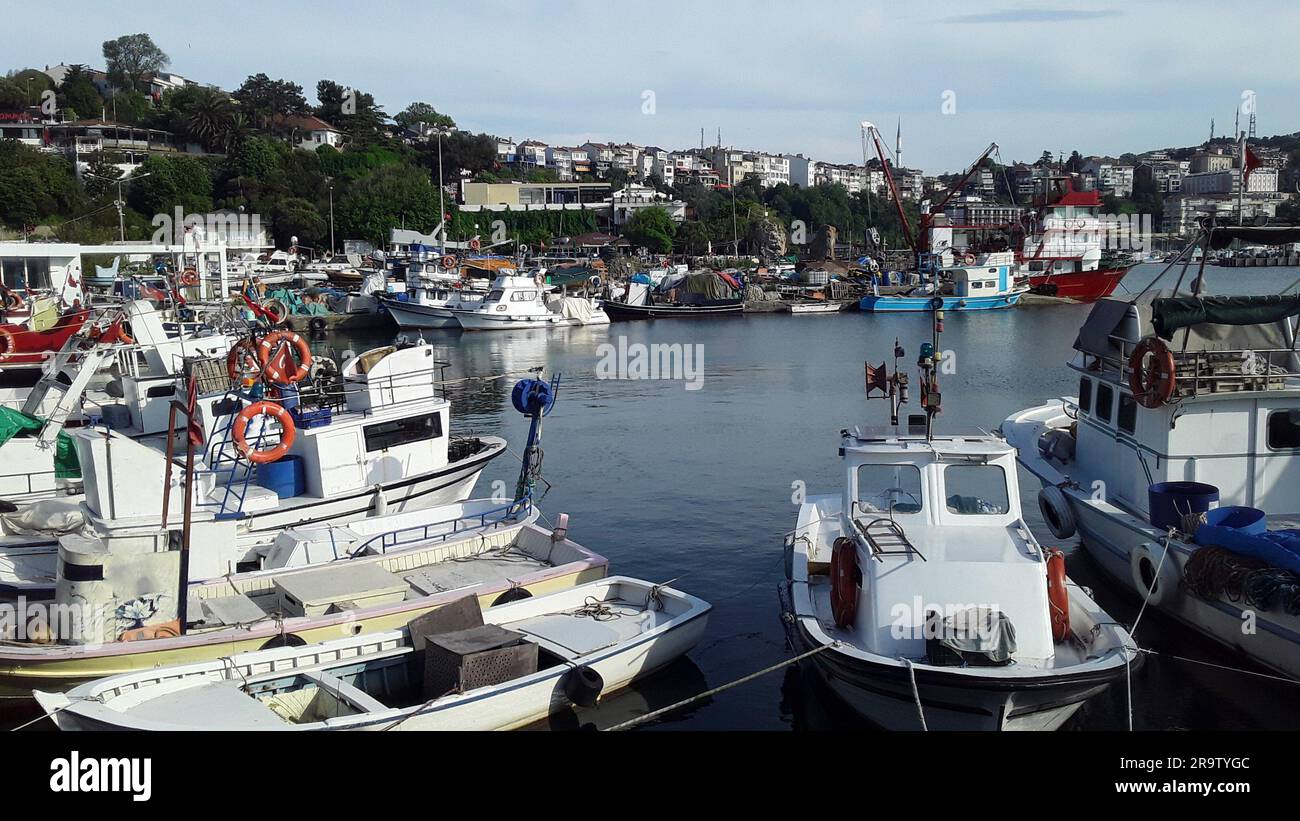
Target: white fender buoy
{"points": [[1056, 512], [1152, 579], [380, 506], [561, 531]]}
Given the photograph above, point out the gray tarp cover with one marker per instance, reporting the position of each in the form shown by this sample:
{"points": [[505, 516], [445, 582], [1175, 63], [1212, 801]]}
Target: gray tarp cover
{"points": [[1222, 236], [1131, 320], [1169, 315], [977, 630], [707, 285]]}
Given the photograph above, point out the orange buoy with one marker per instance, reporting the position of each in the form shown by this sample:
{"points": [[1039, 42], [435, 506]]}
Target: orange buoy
{"points": [[7, 343], [189, 277], [274, 367], [1151, 373], [240, 430], [241, 362], [1058, 598], [846, 581]]}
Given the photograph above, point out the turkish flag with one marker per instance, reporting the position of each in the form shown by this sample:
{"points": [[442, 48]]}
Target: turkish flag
{"points": [[1249, 163]]}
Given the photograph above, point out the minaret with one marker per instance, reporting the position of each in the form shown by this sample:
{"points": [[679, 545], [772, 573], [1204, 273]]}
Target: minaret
{"points": [[898, 143]]}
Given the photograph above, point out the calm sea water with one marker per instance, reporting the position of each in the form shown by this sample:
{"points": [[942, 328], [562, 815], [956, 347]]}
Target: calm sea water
{"points": [[696, 486]]}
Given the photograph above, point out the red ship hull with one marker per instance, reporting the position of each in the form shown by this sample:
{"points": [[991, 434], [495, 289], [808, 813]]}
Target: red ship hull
{"points": [[22, 347], [1084, 286]]}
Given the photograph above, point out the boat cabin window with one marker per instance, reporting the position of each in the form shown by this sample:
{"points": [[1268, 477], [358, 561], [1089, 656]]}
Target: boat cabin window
{"points": [[1128, 413], [1284, 429], [496, 295], [885, 487], [1085, 394], [1105, 402], [386, 435], [976, 490], [523, 296]]}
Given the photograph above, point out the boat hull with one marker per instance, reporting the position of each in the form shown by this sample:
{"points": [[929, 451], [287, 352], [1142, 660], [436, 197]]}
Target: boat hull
{"points": [[621, 310], [1082, 286], [1110, 536], [892, 304], [415, 315], [882, 693], [55, 668], [476, 321]]}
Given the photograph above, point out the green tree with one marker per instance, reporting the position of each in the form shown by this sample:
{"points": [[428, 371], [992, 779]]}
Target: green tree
{"points": [[294, 217], [132, 57], [172, 181], [389, 197], [651, 228], [102, 173], [351, 111], [263, 100], [78, 96], [416, 113]]}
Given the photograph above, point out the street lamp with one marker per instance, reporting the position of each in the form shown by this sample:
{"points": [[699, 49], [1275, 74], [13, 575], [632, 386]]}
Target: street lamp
{"points": [[121, 212], [442, 211], [331, 184]]}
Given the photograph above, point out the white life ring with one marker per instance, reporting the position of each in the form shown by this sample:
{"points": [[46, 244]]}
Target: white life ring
{"points": [[1145, 563], [1056, 512]]}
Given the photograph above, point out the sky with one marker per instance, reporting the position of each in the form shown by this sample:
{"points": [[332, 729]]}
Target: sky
{"points": [[1096, 76]]}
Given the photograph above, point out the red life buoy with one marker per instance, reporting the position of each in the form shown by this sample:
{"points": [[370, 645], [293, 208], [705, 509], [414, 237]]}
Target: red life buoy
{"points": [[846, 581], [474, 244], [1151, 373], [1058, 598], [241, 362], [189, 278], [272, 366], [449, 262], [240, 429], [7, 343]]}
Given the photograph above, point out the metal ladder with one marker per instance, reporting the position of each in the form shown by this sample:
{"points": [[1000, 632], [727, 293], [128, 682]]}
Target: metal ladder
{"points": [[87, 363], [222, 451]]}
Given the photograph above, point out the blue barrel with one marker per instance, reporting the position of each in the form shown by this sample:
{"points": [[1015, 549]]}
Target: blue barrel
{"points": [[1248, 520], [285, 476], [1168, 502]]}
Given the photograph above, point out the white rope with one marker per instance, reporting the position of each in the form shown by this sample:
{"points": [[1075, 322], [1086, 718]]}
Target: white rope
{"points": [[916, 693]]}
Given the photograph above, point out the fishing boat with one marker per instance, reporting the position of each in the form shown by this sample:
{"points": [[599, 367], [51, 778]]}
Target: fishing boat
{"points": [[919, 594], [520, 302], [1064, 247], [28, 344], [816, 307], [455, 668], [1176, 461], [372, 438], [433, 291], [679, 295], [987, 283]]}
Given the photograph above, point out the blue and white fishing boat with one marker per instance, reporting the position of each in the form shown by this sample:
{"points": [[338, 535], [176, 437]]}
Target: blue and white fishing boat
{"points": [[982, 283]]}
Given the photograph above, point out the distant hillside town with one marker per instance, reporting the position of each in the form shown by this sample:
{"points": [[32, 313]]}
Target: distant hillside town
{"points": [[88, 153]]}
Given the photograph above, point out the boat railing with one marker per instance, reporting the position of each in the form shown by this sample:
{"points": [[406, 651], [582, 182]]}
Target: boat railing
{"points": [[884, 536], [439, 532], [29, 477], [1200, 372]]}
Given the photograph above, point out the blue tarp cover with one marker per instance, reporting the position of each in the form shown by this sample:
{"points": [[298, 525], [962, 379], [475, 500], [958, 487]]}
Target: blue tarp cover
{"points": [[1280, 548]]}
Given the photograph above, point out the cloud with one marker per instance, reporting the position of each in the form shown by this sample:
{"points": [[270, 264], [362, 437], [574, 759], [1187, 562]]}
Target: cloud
{"points": [[1031, 16]]}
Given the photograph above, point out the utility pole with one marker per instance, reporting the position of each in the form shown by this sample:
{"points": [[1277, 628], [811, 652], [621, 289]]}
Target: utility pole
{"points": [[331, 218]]}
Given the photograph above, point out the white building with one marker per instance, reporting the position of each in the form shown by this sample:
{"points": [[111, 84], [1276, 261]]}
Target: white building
{"points": [[1228, 182], [626, 202], [532, 154], [308, 132], [772, 169], [1110, 176]]}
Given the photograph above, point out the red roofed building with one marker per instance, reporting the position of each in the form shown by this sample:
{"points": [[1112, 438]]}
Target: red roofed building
{"points": [[306, 131]]}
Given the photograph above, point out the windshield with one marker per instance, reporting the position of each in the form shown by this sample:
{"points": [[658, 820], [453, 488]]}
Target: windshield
{"points": [[881, 487], [976, 490]]}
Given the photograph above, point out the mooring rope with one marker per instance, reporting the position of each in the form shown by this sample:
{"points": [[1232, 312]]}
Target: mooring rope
{"points": [[627, 725], [916, 693]]}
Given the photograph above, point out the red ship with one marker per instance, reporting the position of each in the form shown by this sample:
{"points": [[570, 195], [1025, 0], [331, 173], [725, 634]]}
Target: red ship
{"points": [[1063, 245]]}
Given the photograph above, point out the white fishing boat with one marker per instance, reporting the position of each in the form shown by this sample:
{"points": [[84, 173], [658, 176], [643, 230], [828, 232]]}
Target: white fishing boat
{"points": [[816, 307], [431, 305], [457, 668], [921, 593], [372, 439], [1187, 404], [519, 302]]}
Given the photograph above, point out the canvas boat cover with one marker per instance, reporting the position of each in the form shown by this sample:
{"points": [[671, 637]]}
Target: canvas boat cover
{"points": [[1133, 320], [577, 308], [707, 285], [978, 631], [1223, 236], [14, 423], [1171, 314]]}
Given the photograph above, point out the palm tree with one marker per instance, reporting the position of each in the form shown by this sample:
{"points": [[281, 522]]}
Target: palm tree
{"points": [[209, 117]]}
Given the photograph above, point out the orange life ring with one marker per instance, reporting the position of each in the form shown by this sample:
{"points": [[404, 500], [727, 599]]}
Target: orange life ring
{"points": [[240, 429], [474, 244], [846, 581], [189, 278], [1151, 373], [8, 344], [271, 367], [241, 362], [449, 262], [1058, 598]]}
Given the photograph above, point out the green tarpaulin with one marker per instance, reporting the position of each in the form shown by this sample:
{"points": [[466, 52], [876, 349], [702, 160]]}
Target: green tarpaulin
{"points": [[1170, 314], [15, 423]]}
